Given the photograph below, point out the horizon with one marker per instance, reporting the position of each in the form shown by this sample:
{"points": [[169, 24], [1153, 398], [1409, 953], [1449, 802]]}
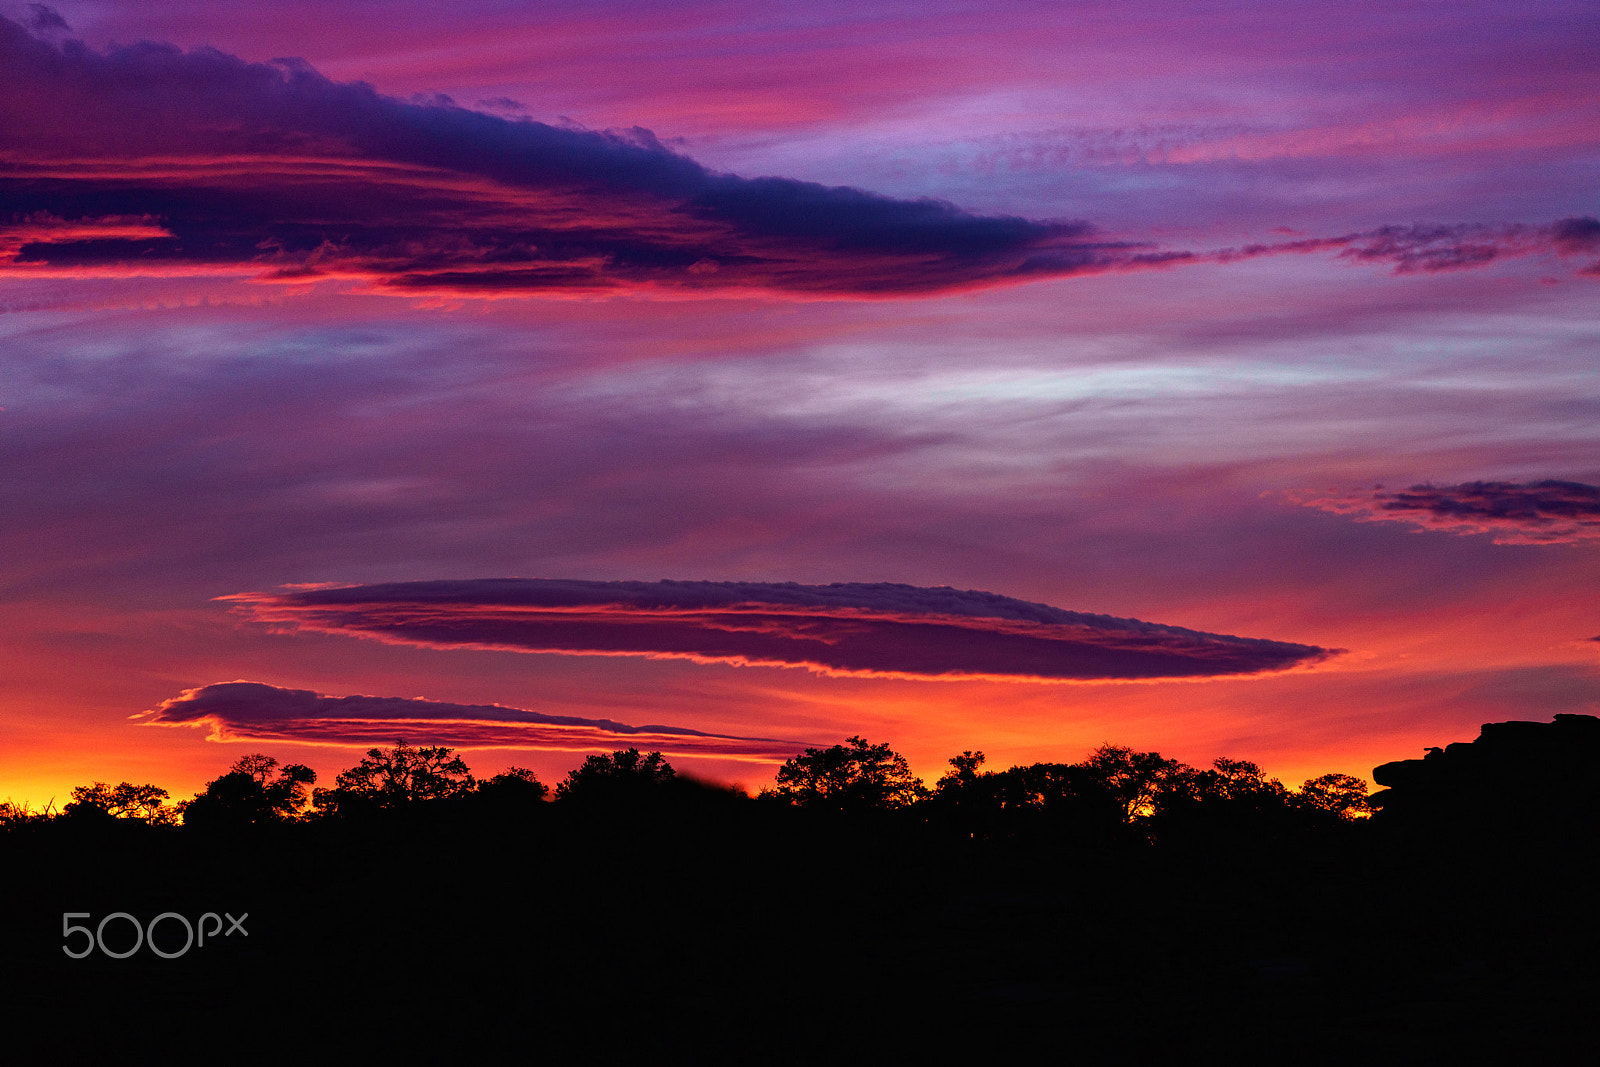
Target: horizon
{"points": [[1027, 379], [458, 781]]}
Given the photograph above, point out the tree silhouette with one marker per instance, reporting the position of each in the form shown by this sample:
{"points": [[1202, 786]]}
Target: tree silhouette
{"points": [[516, 785], [1343, 795], [854, 776], [1233, 801], [396, 778], [1238, 779], [1135, 779], [964, 800], [1063, 802], [962, 774], [146, 803], [626, 773], [287, 792], [1231, 783], [250, 794]]}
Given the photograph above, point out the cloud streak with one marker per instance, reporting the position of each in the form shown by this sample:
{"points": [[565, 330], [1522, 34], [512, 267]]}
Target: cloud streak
{"points": [[239, 711], [878, 629], [1436, 249], [1547, 512]]}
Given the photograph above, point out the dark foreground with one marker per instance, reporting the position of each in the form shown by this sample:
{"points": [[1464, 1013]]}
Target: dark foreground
{"points": [[705, 926]]}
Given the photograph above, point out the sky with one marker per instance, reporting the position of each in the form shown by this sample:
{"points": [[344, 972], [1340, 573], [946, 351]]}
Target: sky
{"points": [[725, 379]]}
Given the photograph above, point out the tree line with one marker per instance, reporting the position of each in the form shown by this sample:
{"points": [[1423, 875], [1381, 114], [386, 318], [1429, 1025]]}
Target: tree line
{"points": [[1115, 793], [1531, 775]]}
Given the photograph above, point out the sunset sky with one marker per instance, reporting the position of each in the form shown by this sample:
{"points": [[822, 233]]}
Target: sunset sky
{"points": [[1218, 378]]}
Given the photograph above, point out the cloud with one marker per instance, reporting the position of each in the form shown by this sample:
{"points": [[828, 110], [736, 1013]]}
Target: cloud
{"points": [[42, 18], [277, 168], [1435, 249], [277, 173], [844, 628], [1547, 512], [42, 229], [238, 711]]}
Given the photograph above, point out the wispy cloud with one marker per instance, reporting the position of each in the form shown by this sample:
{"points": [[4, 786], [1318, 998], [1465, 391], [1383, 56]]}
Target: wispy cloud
{"points": [[240, 711], [1433, 249], [1547, 512], [845, 628]]}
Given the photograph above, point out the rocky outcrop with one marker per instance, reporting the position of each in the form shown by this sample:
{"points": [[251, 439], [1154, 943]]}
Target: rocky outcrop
{"points": [[1516, 776]]}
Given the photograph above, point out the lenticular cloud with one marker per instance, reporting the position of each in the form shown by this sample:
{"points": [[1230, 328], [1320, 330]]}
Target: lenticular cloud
{"points": [[1547, 512], [237, 711], [844, 628]]}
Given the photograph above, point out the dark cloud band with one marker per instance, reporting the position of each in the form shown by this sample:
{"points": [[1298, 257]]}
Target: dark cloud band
{"points": [[237, 711], [854, 628], [1547, 512], [280, 169], [150, 160]]}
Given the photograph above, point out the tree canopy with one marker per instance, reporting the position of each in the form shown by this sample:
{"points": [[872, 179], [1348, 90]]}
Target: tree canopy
{"points": [[514, 784], [147, 803], [615, 775], [854, 776], [394, 778], [1343, 795], [251, 794]]}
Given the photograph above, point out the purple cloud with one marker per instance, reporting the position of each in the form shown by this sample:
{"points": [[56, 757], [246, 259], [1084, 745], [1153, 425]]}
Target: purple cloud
{"points": [[238, 711], [1547, 512], [277, 171], [1435, 249], [42, 18], [844, 628]]}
